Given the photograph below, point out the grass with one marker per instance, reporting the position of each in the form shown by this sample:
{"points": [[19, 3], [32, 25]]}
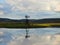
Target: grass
{"points": [[24, 25]]}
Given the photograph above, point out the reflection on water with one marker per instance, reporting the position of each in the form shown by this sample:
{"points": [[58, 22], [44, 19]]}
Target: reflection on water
{"points": [[38, 36], [26, 42]]}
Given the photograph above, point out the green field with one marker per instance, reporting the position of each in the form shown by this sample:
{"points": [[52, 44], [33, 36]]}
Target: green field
{"points": [[24, 25]]}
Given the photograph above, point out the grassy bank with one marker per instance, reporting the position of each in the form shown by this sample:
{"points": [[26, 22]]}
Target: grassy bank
{"points": [[23, 25]]}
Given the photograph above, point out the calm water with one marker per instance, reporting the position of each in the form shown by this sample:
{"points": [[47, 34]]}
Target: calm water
{"points": [[38, 36]]}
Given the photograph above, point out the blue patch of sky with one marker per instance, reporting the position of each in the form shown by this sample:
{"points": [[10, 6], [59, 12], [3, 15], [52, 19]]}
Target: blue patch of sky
{"points": [[2, 1], [6, 7]]}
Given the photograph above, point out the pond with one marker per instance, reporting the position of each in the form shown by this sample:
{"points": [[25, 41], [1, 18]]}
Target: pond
{"points": [[38, 36]]}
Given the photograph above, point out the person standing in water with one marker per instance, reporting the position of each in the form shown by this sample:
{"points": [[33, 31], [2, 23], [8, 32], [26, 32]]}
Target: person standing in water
{"points": [[27, 25]]}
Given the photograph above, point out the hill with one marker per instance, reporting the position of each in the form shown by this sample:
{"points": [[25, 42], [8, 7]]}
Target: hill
{"points": [[47, 20], [32, 23]]}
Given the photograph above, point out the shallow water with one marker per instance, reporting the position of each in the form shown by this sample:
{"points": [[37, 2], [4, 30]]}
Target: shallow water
{"points": [[38, 36]]}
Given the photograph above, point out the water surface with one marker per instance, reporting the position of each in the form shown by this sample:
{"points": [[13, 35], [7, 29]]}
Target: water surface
{"points": [[38, 36]]}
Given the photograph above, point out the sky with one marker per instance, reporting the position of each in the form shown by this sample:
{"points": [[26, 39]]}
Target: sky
{"points": [[36, 9]]}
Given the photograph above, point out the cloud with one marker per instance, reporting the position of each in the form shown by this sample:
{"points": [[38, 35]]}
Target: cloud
{"points": [[55, 4], [1, 12], [16, 9], [27, 5], [1, 6], [34, 4], [58, 8]]}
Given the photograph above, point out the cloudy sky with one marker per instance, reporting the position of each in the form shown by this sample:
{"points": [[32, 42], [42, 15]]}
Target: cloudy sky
{"points": [[17, 9]]}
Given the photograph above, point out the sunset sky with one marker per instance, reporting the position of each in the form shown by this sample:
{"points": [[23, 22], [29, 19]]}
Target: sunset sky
{"points": [[37, 9]]}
